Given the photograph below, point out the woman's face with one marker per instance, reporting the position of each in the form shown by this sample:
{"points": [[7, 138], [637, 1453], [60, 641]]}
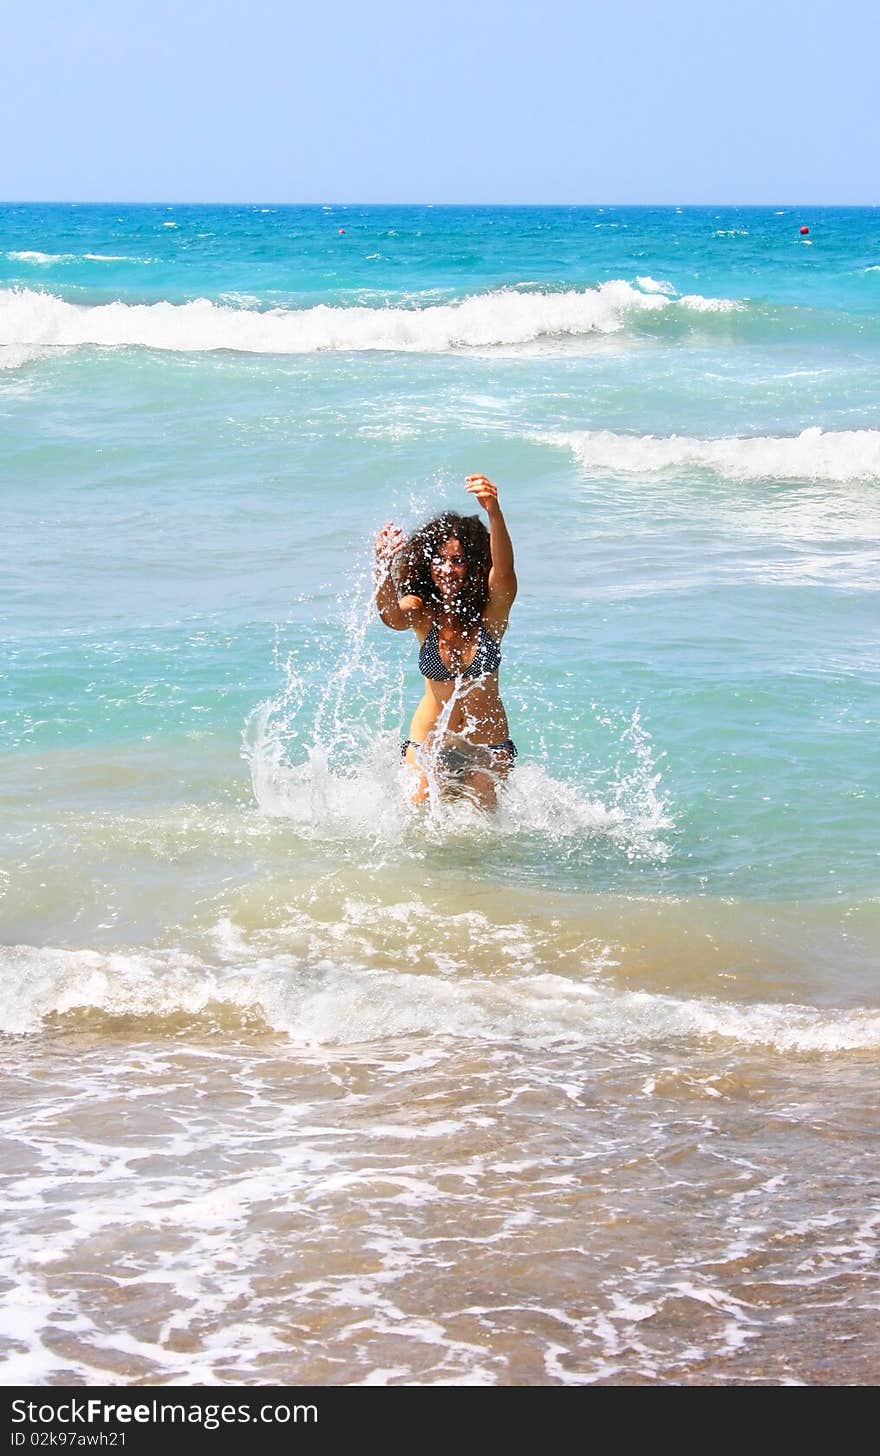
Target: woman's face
{"points": [[449, 568]]}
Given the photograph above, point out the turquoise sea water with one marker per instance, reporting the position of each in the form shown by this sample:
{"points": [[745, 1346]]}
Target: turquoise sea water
{"points": [[206, 413]]}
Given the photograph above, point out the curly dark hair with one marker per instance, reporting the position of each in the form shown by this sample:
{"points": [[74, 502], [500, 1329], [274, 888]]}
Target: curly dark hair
{"points": [[423, 547]]}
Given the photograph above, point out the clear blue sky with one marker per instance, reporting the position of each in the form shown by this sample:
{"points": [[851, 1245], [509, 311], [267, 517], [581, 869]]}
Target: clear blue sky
{"points": [[671, 101]]}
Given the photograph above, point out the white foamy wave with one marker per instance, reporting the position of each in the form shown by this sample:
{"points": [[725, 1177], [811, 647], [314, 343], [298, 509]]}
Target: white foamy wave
{"points": [[109, 258], [814, 454], [652, 285], [504, 317], [30, 255], [698, 304], [14, 356], [789, 1028], [337, 1000]]}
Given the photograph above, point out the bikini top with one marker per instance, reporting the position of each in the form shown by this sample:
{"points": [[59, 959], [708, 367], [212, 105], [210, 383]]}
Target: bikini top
{"points": [[487, 657]]}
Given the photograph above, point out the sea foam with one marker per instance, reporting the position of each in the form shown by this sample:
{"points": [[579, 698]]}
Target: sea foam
{"points": [[329, 995], [32, 255], [814, 454], [500, 318]]}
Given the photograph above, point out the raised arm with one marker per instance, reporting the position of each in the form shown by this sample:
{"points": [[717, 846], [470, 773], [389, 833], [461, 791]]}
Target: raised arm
{"points": [[396, 612], [502, 577]]}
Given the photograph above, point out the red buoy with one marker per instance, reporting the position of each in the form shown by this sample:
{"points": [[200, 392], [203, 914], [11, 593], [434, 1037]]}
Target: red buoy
{"points": [[804, 231], [342, 230]]}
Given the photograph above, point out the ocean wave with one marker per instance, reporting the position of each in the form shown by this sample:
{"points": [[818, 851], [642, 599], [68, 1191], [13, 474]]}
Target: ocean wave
{"points": [[31, 255], [330, 995], [654, 285], [45, 259], [14, 356], [501, 318], [698, 304], [814, 454]]}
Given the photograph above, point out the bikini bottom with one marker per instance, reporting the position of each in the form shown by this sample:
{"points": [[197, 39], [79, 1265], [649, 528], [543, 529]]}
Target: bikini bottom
{"points": [[454, 762]]}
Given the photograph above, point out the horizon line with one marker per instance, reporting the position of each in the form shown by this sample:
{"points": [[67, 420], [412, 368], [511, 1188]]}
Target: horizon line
{"points": [[262, 202]]}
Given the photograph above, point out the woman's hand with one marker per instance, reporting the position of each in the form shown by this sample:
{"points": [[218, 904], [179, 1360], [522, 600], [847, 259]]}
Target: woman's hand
{"points": [[389, 541], [397, 612], [485, 492]]}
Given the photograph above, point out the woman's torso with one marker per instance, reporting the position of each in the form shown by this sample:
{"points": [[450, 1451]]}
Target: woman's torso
{"points": [[476, 711]]}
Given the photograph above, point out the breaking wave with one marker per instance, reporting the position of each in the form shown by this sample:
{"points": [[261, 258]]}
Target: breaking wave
{"points": [[319, 989], [505, 317], [814, 454]]}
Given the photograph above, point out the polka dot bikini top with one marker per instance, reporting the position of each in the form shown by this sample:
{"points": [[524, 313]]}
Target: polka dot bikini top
{"points": [[487, 657]]}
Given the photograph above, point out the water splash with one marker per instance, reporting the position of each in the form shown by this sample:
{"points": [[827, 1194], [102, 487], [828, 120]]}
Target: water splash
{"points": [[324, 754]]}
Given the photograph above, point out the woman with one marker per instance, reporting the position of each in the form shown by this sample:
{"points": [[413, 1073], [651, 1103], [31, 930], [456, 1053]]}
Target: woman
{"points": [[457, 585]]}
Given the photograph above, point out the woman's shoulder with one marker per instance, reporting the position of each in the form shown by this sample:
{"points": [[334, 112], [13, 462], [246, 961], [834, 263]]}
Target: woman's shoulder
{"points": [[418, 616]]}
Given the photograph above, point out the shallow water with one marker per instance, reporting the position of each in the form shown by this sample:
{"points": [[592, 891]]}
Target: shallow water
{"points": [[301, 1084]]}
